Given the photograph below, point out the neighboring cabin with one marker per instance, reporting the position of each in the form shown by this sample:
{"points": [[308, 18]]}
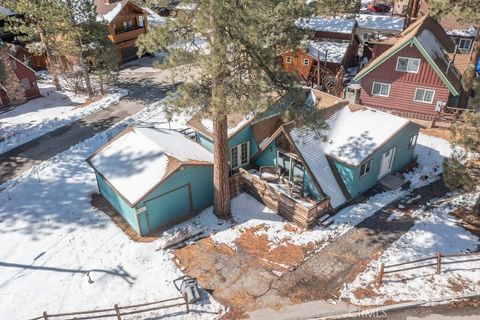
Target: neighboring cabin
{"points": [[415, 74], [156, 177], [126, 21], [371, 26]]}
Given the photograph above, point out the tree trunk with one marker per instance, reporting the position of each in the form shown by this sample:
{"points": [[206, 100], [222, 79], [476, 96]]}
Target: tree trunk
{"points": [[100, 76], [50, 64], [470, 72], [86, 76], [221, 195]]}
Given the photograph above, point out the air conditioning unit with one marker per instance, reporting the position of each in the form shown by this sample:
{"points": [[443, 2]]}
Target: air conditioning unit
{"points": [[439, 106]]}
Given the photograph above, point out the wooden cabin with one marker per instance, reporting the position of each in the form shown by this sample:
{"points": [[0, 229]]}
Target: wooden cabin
{"points": [[126, 21]]}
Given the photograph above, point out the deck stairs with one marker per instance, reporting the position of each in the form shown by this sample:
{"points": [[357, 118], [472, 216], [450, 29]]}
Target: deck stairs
{"points": [[325, 220]]}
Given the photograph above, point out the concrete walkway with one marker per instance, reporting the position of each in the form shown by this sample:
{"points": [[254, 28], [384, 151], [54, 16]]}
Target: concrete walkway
{"points": [[143, 89]]}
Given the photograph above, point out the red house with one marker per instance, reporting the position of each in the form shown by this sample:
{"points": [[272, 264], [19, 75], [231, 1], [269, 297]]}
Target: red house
{"points": [[414, 75], [27, 78]]}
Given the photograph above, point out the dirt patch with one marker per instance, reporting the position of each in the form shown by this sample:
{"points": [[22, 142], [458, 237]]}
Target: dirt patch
{"points": [[470, 221], [362, 293], [88, 102], [458, 285], [99, 202], [444, 133]]}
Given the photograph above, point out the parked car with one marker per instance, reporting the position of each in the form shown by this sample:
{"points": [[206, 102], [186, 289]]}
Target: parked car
{"points": [[378, 7]]}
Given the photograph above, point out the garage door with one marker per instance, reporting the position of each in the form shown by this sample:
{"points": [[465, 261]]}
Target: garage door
{"points": [[168, 207], [129, 54]]}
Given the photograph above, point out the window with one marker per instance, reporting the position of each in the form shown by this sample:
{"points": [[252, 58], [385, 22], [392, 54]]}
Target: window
{"points": [[424, 95], [140, 21], [408, 65], [465, 44], [413, 141], [380, 89], [240, 155], [306, 62], [366, 36], [366, 168], [289, 60], [292, 169], [25, 84]]}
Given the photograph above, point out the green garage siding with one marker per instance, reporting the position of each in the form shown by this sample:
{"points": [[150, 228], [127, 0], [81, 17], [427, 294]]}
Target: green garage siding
{"points": [[168, 202], [127, 212]]}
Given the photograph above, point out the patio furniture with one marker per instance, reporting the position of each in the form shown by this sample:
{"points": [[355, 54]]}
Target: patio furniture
{"points": [[296, 191], [270, 174]]}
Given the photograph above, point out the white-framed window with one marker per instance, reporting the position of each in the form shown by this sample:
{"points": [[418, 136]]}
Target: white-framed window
{"points": [[289, 59], [366, 36], [366, 168], [240, 155], [25, 83], [306, 62], [140, 21], [413, 141], [380, 89], [411, 65], [424, 95], [465, 44]]}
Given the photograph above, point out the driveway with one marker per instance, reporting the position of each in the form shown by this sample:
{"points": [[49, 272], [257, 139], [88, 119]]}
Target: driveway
{"points": [[144, 89], [245, 282]]}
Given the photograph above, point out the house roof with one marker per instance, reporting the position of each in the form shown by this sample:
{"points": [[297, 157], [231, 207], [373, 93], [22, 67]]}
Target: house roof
{"points": [[333, 50], [139, 159], [235, 122], [108, 11], [380, 22], [325, 24], [432, 42]]}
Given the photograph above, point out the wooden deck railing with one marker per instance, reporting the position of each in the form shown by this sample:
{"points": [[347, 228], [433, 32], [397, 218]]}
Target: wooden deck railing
{"points": [[116, 312], [289, 208], [436, 261]]}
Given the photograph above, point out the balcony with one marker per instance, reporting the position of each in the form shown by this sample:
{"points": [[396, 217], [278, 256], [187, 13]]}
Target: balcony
{"points": [[278, 197], [127, 35]]}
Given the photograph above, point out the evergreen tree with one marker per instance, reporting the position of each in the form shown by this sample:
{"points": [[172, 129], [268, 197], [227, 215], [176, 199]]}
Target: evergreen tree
{"points": [[104, 59], [467, 11], [335, 7], [237, 72], [38, 20]]}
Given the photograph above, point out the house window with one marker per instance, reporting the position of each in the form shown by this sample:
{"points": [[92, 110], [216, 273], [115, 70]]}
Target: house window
{"points": [[140, 21], [424, 95], [25, 83], [380, 89], [413, 141], [292, 169], [289, 60], [366, 36], [366, 168], [465, 44], [306, 62], [410, 65], [240, 155]]}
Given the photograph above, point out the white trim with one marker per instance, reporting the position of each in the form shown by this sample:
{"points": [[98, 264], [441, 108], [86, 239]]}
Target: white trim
{"points": [[306, 60], [390, 158], [469, 41], [288, 60], [366, 164], [381, 84], [239, 155], [423, 101], [412, 142], [408, 62]]}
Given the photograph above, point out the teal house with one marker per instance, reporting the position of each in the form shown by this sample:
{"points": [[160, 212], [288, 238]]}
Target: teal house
{"points": [[154, 178]]}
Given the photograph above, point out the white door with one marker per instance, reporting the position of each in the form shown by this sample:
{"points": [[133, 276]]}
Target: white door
{"points": [[387, 162]]}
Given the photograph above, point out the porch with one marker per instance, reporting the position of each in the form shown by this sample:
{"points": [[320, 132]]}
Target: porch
{"points": [[281, 197]]}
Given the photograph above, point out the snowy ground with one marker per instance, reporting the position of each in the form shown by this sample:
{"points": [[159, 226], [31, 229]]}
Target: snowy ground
{"points": [[55, 109], [59, 237]]}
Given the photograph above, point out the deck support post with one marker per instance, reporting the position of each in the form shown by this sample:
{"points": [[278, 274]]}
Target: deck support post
{"points": [[117, 311], [439, 262], [380, 275]]}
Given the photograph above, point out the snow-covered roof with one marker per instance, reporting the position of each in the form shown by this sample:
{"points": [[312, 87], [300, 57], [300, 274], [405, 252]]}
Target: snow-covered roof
{"points": [[467, 33], [236, 122], [326, 24], [333, 50], [6, 12], [154, 18], [109, 16], [140, 158], [380, 22]]}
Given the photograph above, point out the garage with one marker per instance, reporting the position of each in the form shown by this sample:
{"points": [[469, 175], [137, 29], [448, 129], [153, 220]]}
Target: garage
{"points": [[129, 54], [153, 177]]}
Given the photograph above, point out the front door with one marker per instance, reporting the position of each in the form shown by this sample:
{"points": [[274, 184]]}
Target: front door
{"points": [[387, 162]]}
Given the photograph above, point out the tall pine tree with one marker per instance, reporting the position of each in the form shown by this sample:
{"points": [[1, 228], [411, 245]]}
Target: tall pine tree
{"points": [[237, 71]]}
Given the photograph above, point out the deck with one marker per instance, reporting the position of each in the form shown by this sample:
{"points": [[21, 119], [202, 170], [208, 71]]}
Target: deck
{"points": [[304, 212]]}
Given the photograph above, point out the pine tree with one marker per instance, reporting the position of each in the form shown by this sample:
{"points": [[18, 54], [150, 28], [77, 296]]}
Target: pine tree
{"points": [[467, 11], [38, 20], [335, 7], [237, 72], [462, 170], [104, 59]]}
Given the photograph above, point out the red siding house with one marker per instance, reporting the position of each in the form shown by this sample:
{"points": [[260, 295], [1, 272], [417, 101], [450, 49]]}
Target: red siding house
{"points": [[413, 75], [27, 78]]}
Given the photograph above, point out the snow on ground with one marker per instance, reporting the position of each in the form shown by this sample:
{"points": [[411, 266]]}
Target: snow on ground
{"points": [[59, 237], [249, 213], [54, 110], [435, 231]]}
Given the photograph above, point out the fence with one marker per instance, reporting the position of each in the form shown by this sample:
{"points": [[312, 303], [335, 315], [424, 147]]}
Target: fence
{"points": [[438, 261], [116, 312]]}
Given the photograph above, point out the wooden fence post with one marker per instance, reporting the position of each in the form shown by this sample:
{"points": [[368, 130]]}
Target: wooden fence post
{"points": [[45, 315], [380, 274], [186, 303], [117, 311], [439, 262]]}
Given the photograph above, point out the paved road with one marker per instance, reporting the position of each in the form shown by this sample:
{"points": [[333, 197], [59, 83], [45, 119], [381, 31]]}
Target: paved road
{"points": [[144, 89]]}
